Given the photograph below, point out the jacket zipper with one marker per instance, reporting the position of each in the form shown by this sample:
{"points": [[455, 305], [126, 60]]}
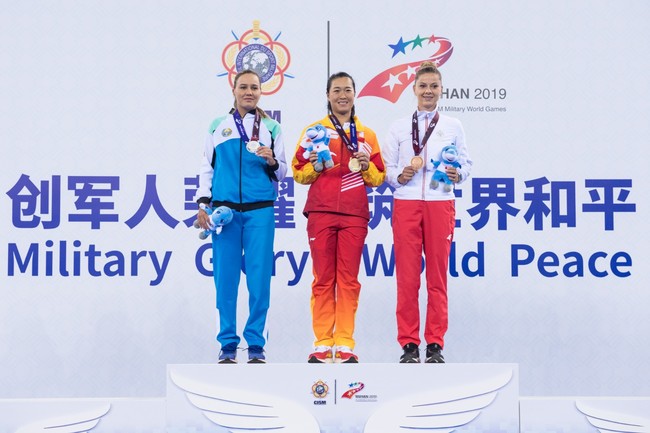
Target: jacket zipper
{"points": [[241, 142]]}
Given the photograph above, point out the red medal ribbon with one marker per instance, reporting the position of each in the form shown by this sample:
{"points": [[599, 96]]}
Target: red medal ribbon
{"points": [[417, 146]]}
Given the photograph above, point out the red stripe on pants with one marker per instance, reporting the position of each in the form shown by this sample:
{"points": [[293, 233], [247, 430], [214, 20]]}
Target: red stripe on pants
{"points": [[336, 243], [422, 225]]}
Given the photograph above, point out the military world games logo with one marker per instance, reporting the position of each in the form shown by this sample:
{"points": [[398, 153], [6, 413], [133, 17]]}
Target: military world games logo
{"points": [[256, 50]]}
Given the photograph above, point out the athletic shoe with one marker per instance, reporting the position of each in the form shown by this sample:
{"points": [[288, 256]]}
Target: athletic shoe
{"points": [[321, 355], [434, 354], [228, 354], [344, 355], [256, 355], [411, 354]]}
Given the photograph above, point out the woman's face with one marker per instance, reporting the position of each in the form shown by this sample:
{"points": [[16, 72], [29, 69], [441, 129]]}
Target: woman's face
{"points": [[428, 88], [247, 92], [341, 96]]}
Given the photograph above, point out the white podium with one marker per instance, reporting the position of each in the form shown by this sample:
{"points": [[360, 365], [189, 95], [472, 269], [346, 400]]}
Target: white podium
{"points": [[96, 415], [585, 414], [332, 398]]}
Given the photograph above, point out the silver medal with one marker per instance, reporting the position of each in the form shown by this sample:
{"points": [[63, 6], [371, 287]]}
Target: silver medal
{"points": [[252, 146]]}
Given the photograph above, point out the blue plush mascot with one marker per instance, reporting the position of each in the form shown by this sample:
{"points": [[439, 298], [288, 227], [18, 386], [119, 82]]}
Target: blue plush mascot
{"points": [[320, 142], [219, 217], [448, 158]]}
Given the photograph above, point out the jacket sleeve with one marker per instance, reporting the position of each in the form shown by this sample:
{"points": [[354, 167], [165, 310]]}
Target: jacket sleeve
{"points": [[206, 171], [303, 170], [390, 152], [463, 156], [376, 172], [278, 152]]}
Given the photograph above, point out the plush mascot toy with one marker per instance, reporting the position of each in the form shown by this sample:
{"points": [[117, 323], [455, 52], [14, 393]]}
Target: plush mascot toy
{"points": [[219, 217], [320, 142], [448, 158]]}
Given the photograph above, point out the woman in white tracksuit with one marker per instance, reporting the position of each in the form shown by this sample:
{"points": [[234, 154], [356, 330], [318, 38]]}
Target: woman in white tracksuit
{"points": [[424, 212]]}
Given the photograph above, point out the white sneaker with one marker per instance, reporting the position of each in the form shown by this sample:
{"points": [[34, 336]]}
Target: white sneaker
{"points": [[344, 355], [321, 355]]}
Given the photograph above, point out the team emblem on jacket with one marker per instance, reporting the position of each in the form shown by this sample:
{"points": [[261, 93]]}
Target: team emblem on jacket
{"points": [[226, 132]]}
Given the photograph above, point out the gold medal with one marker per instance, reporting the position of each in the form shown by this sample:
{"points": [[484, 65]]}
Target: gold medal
{"points": [[417, 162], [354, 165], [252, 146]]}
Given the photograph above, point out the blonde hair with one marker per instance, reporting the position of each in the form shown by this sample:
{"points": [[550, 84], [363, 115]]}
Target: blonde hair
{"points": [[259, 80], [427, 67]]}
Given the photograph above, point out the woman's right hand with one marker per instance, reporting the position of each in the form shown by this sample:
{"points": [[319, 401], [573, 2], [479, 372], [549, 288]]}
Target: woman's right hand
{"points": [[204, 219], [407, 174], [313, 157]]}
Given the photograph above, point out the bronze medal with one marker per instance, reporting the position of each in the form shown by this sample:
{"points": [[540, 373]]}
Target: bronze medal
{"points": [[417, 162]]}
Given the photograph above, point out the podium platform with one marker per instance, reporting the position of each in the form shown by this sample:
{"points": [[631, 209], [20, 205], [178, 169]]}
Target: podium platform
{"points": [[368, 398], [585, 414], [332, 398], [96, 415]]}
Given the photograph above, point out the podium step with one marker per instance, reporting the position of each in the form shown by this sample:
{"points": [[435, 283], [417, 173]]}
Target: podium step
{"points": [[96, 415], [332, 398], [369, 398], [584, 414]]}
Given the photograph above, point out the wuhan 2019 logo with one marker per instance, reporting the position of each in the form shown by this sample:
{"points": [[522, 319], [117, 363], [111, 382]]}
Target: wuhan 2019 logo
{"points": [[390, 84]]}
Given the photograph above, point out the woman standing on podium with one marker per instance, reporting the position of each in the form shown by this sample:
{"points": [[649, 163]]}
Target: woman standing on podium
{"points": [[242, 161], [425, 156], [337, 157]]}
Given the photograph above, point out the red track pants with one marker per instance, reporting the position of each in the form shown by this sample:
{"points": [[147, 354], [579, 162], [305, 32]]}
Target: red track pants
{"points": [[422, 225], [336, 243]]}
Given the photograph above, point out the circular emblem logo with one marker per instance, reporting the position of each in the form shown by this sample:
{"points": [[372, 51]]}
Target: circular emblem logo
{"points": [[226, 132], [320, 389], [257, 58], [256, 50]]}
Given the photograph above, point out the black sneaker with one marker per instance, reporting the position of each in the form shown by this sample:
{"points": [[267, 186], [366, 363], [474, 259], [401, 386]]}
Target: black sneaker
{"points": [[434, 354], [256, 355], [228, 354], [411, 354]]}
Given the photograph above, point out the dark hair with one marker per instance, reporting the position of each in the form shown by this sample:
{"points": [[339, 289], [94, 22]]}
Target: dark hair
{"points": [[259, 80], [427, 68], [329, 86], [339, 75]]}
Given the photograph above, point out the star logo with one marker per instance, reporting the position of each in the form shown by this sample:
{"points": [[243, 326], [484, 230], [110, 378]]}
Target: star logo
{"points": [[391, 83], [393, 80], [399, 47]]}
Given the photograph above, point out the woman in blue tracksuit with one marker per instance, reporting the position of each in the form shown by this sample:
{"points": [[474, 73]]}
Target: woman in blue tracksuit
{"points": [[242, 161]]}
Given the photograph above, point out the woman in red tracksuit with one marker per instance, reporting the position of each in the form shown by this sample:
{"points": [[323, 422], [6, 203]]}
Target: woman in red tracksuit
{"points": [[337, 164]]}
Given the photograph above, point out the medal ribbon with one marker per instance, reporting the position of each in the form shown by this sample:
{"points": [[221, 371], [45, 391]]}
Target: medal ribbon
{"points": [[240, 126], [350, 142], [417, 147]]}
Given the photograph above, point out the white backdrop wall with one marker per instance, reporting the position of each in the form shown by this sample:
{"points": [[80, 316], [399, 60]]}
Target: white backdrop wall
{"points": [[105, 106]]}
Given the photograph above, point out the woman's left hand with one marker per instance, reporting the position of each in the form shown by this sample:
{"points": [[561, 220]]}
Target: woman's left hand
{"points": [[266, 153], [452, 174]]}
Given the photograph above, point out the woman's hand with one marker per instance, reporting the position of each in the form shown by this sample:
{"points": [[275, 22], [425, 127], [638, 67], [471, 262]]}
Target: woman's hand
{"points": [[364, 160], [407, 174], [266, 153], [204, 219]]}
